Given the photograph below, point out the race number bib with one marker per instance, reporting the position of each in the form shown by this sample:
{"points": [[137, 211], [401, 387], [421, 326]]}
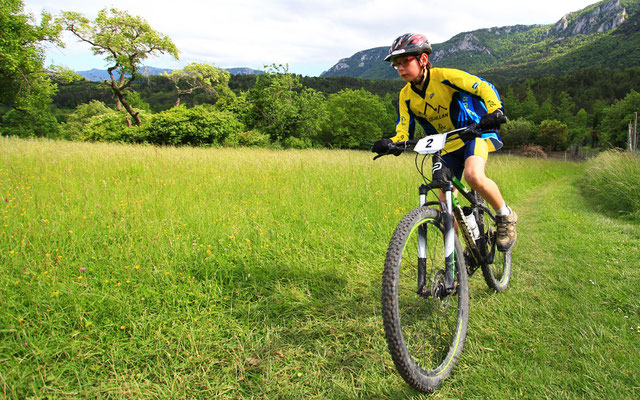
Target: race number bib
{"points": [[430, 144]]}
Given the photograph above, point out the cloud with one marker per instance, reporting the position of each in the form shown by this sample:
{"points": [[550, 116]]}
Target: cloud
{"points": [[310, 33]]}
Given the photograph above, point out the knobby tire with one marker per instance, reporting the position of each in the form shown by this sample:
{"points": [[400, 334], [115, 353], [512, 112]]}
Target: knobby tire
{"points": [[425, 334]]}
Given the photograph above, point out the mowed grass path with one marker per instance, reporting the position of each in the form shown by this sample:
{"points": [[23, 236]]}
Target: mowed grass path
{"points": [[143, 272]]}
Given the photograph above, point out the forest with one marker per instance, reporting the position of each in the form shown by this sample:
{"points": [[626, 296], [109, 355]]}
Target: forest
{"points": [[202, 105]]}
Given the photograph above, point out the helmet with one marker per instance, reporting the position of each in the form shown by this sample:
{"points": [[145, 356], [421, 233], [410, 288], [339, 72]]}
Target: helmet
{"points": [[409, 44]]}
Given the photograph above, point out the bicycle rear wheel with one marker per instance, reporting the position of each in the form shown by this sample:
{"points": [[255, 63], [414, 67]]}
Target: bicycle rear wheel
{"points": [[425, 331], [497, 269]]}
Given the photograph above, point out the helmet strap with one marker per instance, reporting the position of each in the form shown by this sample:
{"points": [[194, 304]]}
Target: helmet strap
{"points": [[420, 80]]}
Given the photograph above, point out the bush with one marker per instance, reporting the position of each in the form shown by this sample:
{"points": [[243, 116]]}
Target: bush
{"points": [[251, 138], [517, 133], [612, 181], [76, 121], [533, 151], [113, 127], [553, 135], [297, 143], [29, 123], [356, 119], [200, 125]]}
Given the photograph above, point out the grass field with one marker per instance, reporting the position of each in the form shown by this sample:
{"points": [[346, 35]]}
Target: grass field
{"points": [[179, 273]]}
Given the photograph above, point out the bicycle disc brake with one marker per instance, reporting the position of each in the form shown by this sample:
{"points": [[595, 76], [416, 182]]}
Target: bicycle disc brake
{"points": [[438, 289]]}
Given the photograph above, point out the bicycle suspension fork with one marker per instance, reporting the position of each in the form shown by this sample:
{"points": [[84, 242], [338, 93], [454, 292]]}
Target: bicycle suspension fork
{"points": [[449, 240]]}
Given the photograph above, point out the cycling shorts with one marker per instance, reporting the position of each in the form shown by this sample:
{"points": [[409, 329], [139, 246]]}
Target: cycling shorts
{"points": [[455, 160]]}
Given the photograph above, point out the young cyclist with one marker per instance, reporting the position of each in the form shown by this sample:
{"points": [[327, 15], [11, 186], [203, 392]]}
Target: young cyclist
{"points": [[443, 99]]}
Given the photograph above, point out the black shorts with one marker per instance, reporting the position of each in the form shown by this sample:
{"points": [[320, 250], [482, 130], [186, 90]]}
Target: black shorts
{"points": [[454, 161]]}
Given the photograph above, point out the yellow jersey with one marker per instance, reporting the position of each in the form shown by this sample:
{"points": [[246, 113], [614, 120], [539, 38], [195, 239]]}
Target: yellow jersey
{"points": [[450, 99]]}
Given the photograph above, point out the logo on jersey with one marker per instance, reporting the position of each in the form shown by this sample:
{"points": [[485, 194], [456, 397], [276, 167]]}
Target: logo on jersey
{"points": [[438, 110]]}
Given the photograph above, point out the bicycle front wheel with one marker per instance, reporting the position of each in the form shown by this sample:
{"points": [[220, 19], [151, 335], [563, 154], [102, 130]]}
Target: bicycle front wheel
{"points": [[425, 325]]}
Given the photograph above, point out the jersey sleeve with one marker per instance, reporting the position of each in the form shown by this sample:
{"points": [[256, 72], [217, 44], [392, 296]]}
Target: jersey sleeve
{"points": [[405, 125], [476, 86]]}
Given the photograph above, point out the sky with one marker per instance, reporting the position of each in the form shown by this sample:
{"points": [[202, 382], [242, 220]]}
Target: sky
{"points": [[310, 36]]}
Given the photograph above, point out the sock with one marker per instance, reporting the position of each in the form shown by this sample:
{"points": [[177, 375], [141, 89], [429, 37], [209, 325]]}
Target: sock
{"points": [[504, 211]]}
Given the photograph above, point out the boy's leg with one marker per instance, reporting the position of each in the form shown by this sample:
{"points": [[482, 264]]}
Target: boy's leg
{"points": [[506, 219]]}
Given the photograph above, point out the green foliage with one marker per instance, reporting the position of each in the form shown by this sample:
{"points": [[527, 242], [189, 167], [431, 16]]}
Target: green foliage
{"points": [[280, 108], [61, 74], [579, 130], [552, 135], [249, 139], [125, 41], [615, 124], [196, 76], [25, 88], [135, 100], [29, 122], [197, 126], [72, 128], [517, 133], [23, 82], [356, 118], [612, 182], [112, 127]]}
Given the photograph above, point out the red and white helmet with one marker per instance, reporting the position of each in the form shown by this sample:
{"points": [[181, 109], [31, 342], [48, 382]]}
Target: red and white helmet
{"points": [[409, 44]]}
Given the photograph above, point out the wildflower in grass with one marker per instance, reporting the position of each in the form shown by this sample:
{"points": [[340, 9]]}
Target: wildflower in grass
{"points": [[122, 327], [83, 269]]}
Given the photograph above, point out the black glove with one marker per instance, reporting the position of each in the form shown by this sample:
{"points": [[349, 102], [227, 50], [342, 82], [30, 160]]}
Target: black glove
{"points": [[492, 120], [381, 146]]}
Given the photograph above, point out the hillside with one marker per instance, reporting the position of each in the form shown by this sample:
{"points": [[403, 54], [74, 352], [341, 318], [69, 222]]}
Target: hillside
{"points": [[609, 27]]}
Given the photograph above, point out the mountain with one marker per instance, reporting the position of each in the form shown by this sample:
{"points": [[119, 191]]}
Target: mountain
{"points": [[96, 75], [102, 74], [602, 34]]}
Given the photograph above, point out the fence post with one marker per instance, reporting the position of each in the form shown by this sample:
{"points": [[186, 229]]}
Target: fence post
{"points": [[635, 133], [630, 146]]}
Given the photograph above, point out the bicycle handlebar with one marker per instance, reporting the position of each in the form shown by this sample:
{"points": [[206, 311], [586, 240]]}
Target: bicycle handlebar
{"points": [[468, 132]]}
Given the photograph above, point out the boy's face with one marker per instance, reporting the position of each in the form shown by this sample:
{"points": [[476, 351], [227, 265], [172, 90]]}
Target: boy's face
{"points": [[408, 68]]}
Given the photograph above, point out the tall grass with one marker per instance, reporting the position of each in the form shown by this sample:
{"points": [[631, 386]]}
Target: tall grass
{"points": [[144, 272], [612, 180]]}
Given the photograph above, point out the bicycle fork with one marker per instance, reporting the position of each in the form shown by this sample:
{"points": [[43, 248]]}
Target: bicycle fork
{"points": [[449, 245]]}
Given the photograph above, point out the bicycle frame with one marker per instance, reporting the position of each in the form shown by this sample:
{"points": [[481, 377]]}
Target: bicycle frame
{"points": [[451, 211]]}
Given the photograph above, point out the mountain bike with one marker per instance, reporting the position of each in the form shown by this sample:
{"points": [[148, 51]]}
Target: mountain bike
{"points": [[425, 285]]}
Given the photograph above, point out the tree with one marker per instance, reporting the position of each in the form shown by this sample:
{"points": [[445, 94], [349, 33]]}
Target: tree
{"points": [[25, 86], [280, 107], [552, 135], [356, 119], [197, 76], [517, 133], [615, 124], [529, 107], [125, 41], [546, 111], [579, 131]]}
